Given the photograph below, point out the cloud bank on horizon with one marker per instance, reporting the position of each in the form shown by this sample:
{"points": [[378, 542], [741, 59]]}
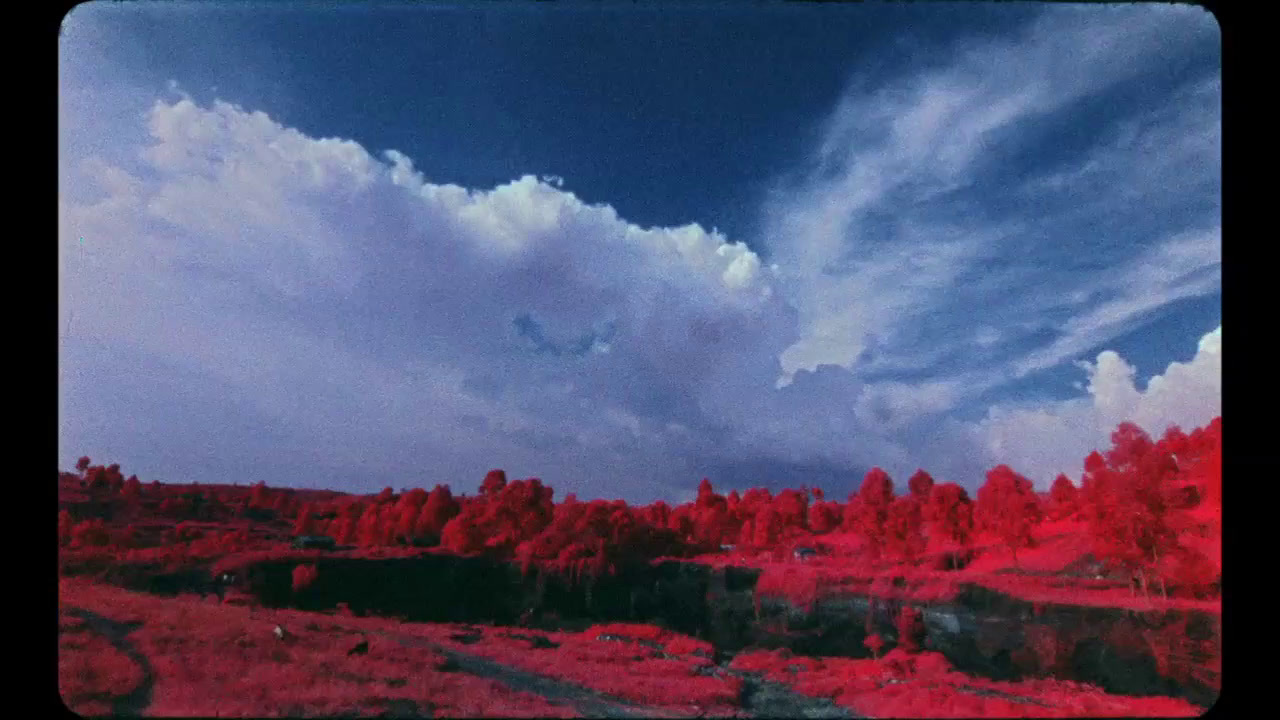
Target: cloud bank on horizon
{"points": [[243, 301]]}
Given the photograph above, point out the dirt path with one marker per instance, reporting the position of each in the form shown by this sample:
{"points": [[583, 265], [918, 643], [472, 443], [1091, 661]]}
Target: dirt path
{"points": [[760, 698], [586, 702], [135, 702]]}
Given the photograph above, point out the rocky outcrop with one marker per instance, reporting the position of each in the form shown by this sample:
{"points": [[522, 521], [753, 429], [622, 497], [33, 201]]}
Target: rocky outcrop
{"points": [[980, 631]]}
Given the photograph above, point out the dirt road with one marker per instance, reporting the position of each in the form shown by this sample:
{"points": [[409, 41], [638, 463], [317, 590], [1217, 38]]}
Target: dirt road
{"points": [[760, 698]]}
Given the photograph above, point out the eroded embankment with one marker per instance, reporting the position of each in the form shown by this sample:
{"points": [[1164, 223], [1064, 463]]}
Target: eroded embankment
{"points": [[982, 632]]}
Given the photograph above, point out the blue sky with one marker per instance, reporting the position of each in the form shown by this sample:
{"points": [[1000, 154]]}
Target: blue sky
{"points": [[621, 249]]}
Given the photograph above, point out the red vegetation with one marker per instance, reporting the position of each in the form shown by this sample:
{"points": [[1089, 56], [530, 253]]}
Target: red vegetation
{"points": [[1148, 511], [903, 529], [304, 576], [868, 509], [920, 485], [951, 517], [211, 660], [1063, 498], [1008, 508], [911, 629]]}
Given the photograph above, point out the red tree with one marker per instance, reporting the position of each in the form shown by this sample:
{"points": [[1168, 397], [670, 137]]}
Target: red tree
{"points": [[951, 516], [920, 484], [793, 510], [1063, 497], [1128, 498], [132, 488], [824, 517], [768, 526], [904, 528], [463, 534], [705, 491], [439, 509], [493, 483], [83, 463], [870, 512], [258, 496], [1008, 507], [306, 522]]}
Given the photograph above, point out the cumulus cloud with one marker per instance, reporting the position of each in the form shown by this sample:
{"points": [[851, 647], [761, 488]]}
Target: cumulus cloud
{"points": [[336, 291], [1052, 438]]}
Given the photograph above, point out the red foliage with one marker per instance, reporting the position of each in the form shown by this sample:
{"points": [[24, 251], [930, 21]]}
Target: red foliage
{"points": [[258, 496], [304, 576], [793, 511], [705, 491], [65, 525], [920, 484], [903, 528], [132, 489], [767, 527], [90, 533], [1063, 498], [1142, 496], [951, 515], [493, 483], [868, 510], [874, 643], [306, 523], [463, 534], [439, 509], [824, 517], [911, 629], [1009, 508], [83, 463]]}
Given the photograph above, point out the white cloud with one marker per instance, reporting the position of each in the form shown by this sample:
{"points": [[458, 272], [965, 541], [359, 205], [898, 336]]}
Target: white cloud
{"points": [[333, 291], [888, 157], [1187, 265], [1055, 437]]}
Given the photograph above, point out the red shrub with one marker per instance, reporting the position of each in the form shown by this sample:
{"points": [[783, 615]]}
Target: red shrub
{"points": [[90, 533], [874, 643], [910, 628], [304, 576], [65, 526]]}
